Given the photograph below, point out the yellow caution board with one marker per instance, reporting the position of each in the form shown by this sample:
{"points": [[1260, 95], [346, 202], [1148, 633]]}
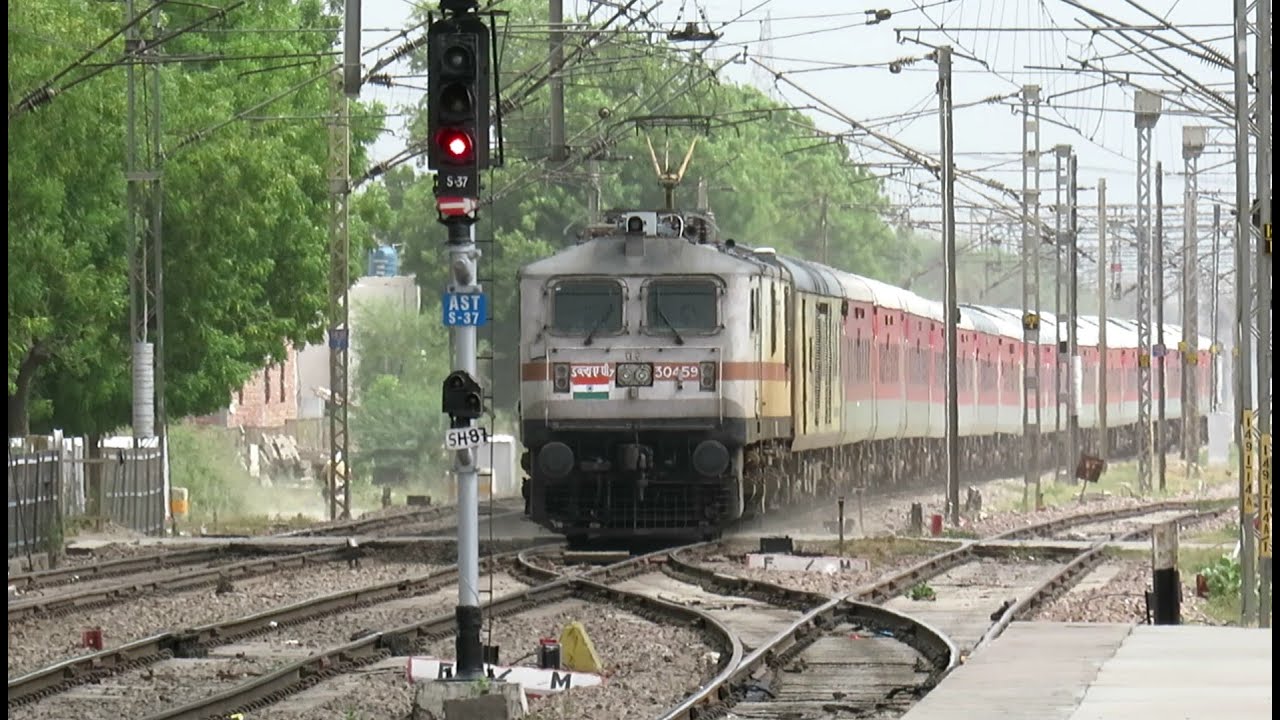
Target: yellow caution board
{"points": [[1264, 475], [1246, 422], [578, 652]]}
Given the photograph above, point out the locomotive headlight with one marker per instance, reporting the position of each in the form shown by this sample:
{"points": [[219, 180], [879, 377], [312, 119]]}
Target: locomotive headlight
{"points": [[626, 375], [706, 376], [560, 377], [634, 375]]}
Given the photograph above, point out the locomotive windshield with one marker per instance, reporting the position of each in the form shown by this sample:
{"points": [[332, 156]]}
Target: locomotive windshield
{"points": [[676, 305], [586, 307]]}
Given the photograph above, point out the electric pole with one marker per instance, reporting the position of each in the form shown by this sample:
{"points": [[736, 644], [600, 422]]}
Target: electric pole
{"points": [[142, 189], [458, 125], [1215, 396], [1146, 114], [1101, 394], [1073, 350], [1262, 306], [1242, 353], [1193, 138], [1161, 353], [346, 86], [1062, 225], [1031, 293], [952, 307], [559, 151]]}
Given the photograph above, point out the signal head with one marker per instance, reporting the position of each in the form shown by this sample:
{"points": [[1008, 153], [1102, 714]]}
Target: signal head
{"points": [[455, 145]]}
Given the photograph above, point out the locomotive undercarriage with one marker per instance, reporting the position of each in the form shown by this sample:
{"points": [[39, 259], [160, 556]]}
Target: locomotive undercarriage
{"points": [[775, 477], [645, 484]]}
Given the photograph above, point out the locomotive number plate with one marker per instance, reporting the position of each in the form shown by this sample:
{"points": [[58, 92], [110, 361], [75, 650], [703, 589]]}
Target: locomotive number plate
{"points": [[675, 371]]}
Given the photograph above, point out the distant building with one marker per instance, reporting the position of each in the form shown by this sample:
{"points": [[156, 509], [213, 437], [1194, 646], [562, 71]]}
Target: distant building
{"points": [[268, 400], [298, 388]]}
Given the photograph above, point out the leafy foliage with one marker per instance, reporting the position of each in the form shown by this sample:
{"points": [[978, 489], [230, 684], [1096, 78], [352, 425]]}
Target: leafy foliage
{"points": [[245, 206], [396, 423], [1223, 577], [922, 592]]}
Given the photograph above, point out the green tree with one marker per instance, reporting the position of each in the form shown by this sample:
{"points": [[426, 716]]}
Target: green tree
{"points": [[396, 421], [245, 205]]}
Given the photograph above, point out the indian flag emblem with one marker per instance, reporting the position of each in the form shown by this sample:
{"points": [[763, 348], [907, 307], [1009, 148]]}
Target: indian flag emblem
{"points": [[590, 382]]}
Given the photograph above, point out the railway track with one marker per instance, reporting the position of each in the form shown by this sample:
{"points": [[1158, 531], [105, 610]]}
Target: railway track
{"points": [[283, 679], [769, 636], [88, 572], [873, 653]]}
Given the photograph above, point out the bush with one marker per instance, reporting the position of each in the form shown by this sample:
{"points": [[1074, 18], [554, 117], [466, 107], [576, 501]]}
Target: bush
{"points": [[1223, 577], [207, 463]]}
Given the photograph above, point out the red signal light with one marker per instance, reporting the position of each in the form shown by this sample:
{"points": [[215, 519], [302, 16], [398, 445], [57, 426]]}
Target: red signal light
{"points": [[455, 145]]}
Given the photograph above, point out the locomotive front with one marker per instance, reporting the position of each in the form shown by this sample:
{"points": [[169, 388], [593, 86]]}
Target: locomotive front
{"points": [[625, 416]]}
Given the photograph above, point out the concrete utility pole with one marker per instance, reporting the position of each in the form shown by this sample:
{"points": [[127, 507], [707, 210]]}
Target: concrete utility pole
{"points": [[949, 255], [1215, 396], [1243, 350], [346, 86], [1031, 293], [1161, 353], [1073, 349], [1146, 114], [142, 186], [1193, 138], [1101, 392], [1062, 225], [558, 152], [1263, 306]]}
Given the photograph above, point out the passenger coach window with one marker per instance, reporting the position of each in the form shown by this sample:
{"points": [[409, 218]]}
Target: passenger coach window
{"points": [[682, 305], [586, 306]]}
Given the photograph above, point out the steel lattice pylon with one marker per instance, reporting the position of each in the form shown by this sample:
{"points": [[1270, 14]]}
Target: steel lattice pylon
{"points": [[339, 312], [1146, 113], [1031, 288]]}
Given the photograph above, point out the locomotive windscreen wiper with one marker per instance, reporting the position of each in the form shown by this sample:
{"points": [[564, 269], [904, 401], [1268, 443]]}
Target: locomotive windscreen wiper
{"points": [[598, 324], [658, 308]]}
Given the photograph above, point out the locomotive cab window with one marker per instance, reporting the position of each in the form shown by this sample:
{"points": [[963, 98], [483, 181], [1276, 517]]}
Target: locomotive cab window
{"points": [[580, 307], [682, 306]]}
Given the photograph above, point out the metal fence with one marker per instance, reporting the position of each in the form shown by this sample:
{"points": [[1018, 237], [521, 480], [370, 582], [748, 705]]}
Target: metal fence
{"points": [[50, 478], [35, 519], [132, 491]]}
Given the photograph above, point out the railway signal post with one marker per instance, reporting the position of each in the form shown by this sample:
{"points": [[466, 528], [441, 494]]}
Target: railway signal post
{"points": [[458, 149]]}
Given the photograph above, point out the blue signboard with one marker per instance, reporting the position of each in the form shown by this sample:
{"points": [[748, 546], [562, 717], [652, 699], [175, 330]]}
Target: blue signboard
{"points": [[465, 309]]}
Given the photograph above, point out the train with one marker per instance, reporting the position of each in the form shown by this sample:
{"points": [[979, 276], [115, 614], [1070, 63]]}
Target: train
{"points": [[674, 382]]}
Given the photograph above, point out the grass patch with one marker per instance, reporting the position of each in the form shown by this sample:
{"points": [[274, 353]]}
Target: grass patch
{"points": [[1223, 574], [1222, 536], [224, 498], [1119, 479]]}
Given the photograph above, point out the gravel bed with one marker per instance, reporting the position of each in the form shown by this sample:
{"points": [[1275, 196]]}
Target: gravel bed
{"points": [[136, 693], [837, 583], [1122, 599], [991, 523], [41, 641], [650, 667]]}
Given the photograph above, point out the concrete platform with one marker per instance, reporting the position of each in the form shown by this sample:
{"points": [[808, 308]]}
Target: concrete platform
{"points": [[1080, 671]]}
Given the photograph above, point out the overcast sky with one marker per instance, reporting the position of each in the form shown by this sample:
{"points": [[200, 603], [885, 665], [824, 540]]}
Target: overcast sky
{"points": [[790, 36]]}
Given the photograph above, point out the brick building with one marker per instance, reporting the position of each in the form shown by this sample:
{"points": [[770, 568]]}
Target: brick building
{"points": [[268, 400]]}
